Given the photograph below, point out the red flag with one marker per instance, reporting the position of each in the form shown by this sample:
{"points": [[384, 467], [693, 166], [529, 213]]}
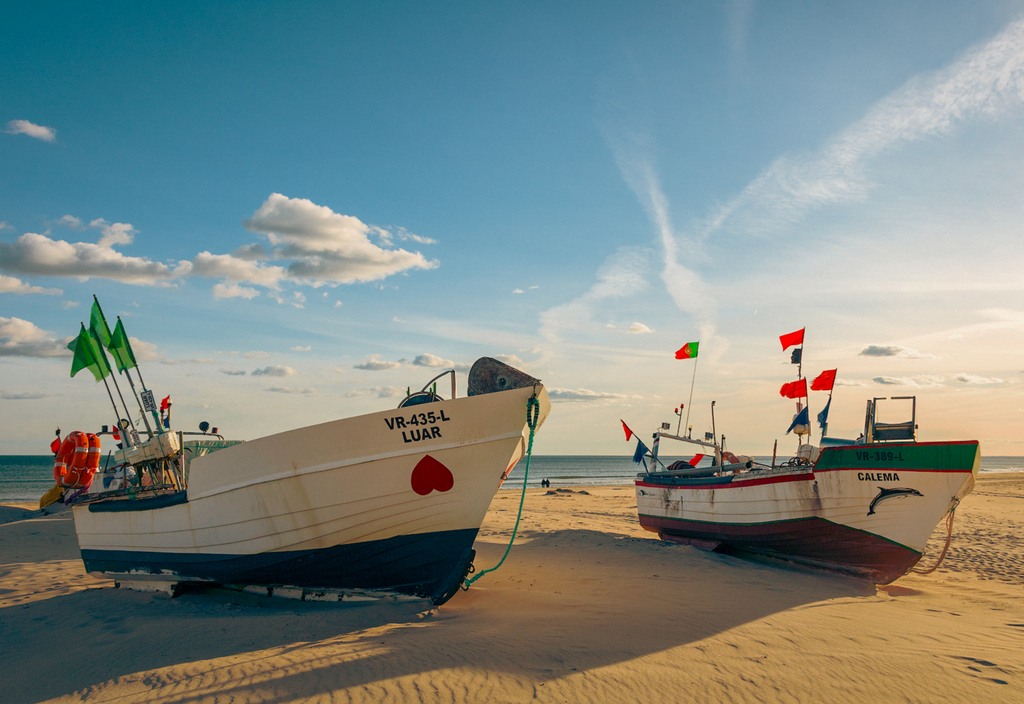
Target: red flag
{"points": [[165, 403], [629, 433], [793, 338], [696, 460], [55, 446], [824, 381], [794, 389], [687, 351]]}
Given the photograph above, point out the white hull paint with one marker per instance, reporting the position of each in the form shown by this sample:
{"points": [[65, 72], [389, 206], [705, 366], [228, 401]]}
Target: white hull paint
{"points": [[866, 518], [340, 484]]}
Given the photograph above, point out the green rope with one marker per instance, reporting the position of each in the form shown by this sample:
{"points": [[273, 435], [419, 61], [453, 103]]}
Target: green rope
{"points": [[531, 420]]}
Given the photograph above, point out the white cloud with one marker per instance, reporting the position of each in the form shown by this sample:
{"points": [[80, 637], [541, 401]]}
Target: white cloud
{"points": [[894, 351], [21, 338], [255, 354], [234, 291], [9, 284], [325, 246], [638, 329], [230, 268], [72, 222], [251, 252], [113, 233], [517, 290], [47, 134], [374, 363], [556, 394], [297, 348], [233, 372], [511, 360], [291, 390], [432, 360], [275, 370], [38, 255]]}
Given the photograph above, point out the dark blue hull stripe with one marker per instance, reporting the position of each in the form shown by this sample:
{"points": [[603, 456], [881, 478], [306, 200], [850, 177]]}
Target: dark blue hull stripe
{"points": [[428, 565]]}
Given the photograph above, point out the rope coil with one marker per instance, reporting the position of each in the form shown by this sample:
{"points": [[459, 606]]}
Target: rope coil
{"points": [[532, 414]]}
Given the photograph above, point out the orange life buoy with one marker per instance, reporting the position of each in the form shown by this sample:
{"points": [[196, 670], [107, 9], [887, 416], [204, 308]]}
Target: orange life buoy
{"points": [[60, 462], [77, 460], [93, 461]]}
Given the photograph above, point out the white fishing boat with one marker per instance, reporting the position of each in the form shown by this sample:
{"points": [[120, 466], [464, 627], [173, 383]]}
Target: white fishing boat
{"points": [[386, 503], [867, 506]]}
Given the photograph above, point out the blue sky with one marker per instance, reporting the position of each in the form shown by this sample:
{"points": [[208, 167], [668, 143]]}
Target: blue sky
{"points": [[349, 198]]}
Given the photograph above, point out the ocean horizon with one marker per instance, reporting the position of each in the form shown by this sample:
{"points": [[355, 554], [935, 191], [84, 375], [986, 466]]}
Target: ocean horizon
{"points": [[27, 477]]}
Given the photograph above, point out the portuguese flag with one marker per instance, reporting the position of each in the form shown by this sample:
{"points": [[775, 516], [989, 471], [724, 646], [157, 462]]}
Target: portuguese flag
{"points": [[687, 351]]}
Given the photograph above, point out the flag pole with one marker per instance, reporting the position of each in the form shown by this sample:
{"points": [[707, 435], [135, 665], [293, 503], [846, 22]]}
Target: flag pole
{"points": [[689, 402], [145, 390], [807, 398], [824, 426]]}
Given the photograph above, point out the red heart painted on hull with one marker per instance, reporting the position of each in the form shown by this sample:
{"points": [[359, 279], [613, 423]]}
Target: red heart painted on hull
{"points": [[429, 474]]}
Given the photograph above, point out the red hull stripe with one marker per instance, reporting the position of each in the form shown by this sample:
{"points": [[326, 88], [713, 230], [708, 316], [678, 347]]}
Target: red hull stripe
{"points": [[812, 540], [736, 484]]}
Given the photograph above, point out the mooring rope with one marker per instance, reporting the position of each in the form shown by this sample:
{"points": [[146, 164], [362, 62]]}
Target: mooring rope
{"points": [[949, 538], [532, 414]]}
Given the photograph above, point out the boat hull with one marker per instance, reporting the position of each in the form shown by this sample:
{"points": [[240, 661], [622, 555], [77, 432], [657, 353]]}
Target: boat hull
{"points": [[389, 501], [868, 508]]}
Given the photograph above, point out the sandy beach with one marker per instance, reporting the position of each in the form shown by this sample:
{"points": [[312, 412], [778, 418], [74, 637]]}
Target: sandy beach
{"points": [[588, 607]]}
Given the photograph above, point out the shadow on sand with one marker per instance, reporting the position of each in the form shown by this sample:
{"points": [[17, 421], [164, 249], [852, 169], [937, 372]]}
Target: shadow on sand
{"points": [[566, 601]]}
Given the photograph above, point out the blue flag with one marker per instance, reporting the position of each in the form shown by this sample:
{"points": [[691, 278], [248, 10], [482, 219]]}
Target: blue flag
{"points": [[823, 416], [801, 419], [641, 450]]}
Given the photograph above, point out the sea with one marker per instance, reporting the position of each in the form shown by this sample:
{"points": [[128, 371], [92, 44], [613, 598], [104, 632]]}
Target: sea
{"points": [[25, 478]]}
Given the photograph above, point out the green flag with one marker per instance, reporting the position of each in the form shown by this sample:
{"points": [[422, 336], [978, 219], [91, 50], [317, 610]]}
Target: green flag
{"points": [[98, 324], [121, 349], [88, 355]]}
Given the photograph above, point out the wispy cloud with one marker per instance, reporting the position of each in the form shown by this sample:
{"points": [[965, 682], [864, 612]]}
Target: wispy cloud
{"points": [[623, 274], [46, 134], [916, 381], [292, 390], [274, 370], [24, 396], [556, 394], [894, 351], [234, 291], [985, 82], [971, 379]]}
